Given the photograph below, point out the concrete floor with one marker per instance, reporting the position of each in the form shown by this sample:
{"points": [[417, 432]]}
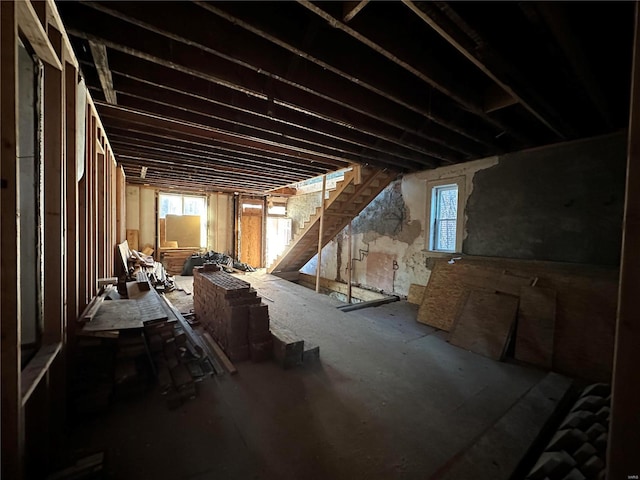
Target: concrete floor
{"points": [[389, 399]]}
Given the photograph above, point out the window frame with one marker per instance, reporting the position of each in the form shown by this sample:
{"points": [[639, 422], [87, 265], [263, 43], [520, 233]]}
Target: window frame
{"points": [[432, 188], [205, 218]]}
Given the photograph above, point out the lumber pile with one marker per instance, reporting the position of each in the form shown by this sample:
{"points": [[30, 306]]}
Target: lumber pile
{"points": [[173, 259], [554, 316], [127, 345], [135, 265]]}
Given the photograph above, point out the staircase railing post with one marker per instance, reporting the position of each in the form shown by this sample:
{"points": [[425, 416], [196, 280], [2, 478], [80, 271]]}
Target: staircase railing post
{"points": [[350, 261], [321, 232]]}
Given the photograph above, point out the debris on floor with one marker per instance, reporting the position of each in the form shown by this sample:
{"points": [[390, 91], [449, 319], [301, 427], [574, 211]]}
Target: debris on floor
{"points": [[127, 345], [143, 268], [225, 262]]}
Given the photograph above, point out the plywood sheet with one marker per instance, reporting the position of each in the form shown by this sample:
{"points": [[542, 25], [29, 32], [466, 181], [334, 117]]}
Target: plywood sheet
{"points": [[536, 326], [485, 323], [416, 292], [123, 315], [449, 283], [132, 239], [446, 291], [585, 307], [184, 229], [251, 242]]}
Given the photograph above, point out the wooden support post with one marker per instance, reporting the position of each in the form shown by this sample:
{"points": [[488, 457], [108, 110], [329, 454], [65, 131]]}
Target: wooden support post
{"points": [[72, 312], [121, 196], [623, 460], [321, 232], [101, 222], [265, 215], [53, 198], [12, 426], [350, 261]]}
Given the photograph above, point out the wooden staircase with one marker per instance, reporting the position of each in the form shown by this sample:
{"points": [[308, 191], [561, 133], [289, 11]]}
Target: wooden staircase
{"points": [[345, 202]]}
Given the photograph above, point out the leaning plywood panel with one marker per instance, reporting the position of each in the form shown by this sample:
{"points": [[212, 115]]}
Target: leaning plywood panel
{"points": [[536, 325], [485, 323], [416, 293], [184, 229], [446, 290]]}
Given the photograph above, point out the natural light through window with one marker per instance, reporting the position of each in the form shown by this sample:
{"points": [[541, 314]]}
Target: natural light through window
{"points": [[444, 215], [184, 206]]}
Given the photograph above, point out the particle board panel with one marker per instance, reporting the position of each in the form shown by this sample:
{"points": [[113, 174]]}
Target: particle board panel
{"points": [[485, 323], [447, 288], [184, 229], [536, 324], [416, 292], [251, 242]]}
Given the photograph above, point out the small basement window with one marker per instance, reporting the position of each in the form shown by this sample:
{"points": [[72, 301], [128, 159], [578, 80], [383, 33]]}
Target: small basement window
{"points": [[444, 218]]}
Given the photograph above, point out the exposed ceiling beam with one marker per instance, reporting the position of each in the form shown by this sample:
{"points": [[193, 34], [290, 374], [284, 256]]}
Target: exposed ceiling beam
{"points": [[469, 48], [99, 53], [352, 8], [555, 18], [473, 105], [311, 86]]}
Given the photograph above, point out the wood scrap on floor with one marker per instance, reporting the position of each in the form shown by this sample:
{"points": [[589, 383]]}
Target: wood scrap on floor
{"points": [[485, 323], [536, 325]]}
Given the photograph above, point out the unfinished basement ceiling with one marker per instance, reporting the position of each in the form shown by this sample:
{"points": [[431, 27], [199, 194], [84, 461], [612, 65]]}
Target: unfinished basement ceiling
{"points": [[249, 97]]}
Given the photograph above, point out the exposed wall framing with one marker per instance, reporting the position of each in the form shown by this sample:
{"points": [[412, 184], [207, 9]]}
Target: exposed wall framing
{"points": [[81, 221]]}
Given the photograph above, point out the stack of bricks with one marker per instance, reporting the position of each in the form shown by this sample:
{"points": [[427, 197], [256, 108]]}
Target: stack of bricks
{"points": [[232, 313]]}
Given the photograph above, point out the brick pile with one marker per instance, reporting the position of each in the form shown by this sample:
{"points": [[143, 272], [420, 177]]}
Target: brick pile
{"points": [[232, 312]]}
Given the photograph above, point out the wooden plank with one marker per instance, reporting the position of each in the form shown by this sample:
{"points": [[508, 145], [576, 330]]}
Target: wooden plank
{"points": [[449, 283], [623, 460], [53, 199], [485, 323], [71, 196], [31, 27], [101, 226], [416, 292], [536, 324], [357, 292], [99, 53], [132, 238], [37, 368], [12, 418], [121, 195], [321, 232], [219, 353], [125, 314], [442, 296]]}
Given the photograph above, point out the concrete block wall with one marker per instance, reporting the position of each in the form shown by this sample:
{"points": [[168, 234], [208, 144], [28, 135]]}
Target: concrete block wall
{"points": [[232, 312]]}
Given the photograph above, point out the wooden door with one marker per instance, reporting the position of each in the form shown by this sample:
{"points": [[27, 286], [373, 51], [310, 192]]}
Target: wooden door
{"points": [[251, 234]]}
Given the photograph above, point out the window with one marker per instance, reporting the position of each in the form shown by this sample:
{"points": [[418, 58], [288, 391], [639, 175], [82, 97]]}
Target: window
{"points": [[444, 218], [183, 220]]}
